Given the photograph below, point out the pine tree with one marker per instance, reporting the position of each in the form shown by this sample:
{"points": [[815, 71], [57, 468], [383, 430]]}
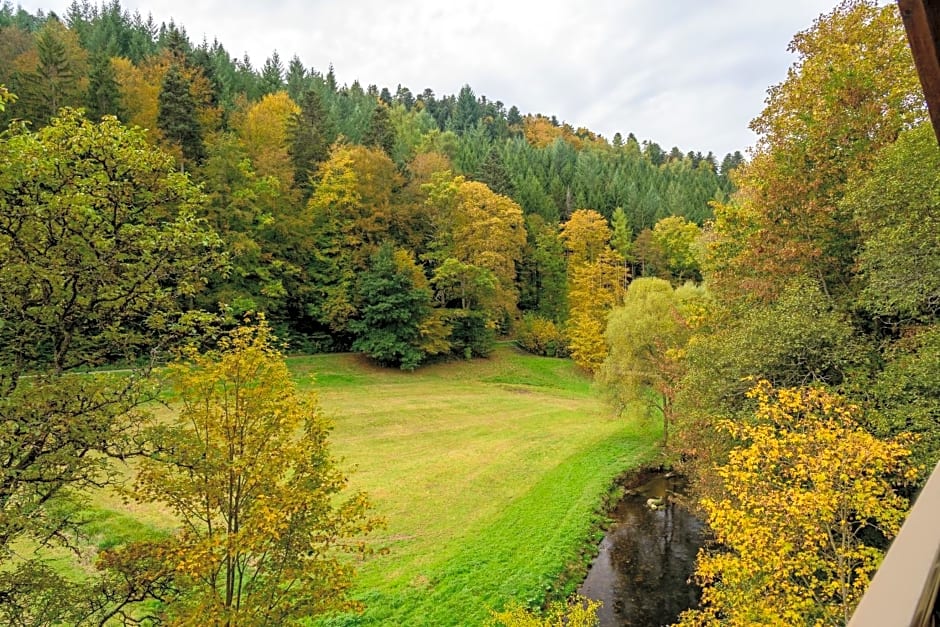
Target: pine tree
{"points": [[176, 116], [103, 95], [381, 135], [310, 134], [272, 74]]}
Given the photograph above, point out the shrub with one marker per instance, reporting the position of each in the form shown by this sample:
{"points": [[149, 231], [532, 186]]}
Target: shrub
{"points": [[541, 336]]}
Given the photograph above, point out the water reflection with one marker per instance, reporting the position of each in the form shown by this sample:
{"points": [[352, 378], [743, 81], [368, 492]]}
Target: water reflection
{"points": [[641, 573]]}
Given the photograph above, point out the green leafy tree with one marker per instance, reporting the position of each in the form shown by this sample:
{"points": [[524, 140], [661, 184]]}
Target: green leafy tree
{"points": [[258, 225], [177, 115], [677, 240], [896, 208], [647, 337], [246, 467], [395, 302], [99, 246]]}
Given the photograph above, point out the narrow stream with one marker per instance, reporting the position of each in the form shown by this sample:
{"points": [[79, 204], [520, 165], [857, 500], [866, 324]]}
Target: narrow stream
{"points": [[642, 571]]}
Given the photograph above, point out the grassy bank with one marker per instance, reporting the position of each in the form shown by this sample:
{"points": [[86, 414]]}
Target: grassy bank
{"points": [[488, 472]]}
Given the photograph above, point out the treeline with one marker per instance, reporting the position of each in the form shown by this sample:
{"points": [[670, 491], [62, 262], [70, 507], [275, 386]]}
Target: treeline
{"points": [[321, 191]]}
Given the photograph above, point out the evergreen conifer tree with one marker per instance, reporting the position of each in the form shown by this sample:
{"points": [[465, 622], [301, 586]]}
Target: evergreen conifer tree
{"points": [[55, 82], [272, 74], [103, 96], [176, 115], [380, 134], [310, 134]]}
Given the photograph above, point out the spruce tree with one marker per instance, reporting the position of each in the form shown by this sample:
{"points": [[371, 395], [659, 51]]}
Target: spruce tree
{"points": [[55, 82], [272, 74], [380, 134], [176, 115], [310, 133], [297, 80], [493, 173], [394, 305], [103, 96], [466, 112]]}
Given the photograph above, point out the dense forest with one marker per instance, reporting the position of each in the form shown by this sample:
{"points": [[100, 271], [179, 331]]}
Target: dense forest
{"points": [[337, 204], [779, 314]]}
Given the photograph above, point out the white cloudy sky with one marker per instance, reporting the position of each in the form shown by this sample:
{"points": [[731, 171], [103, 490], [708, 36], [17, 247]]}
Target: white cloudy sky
{"points": [[678, 72]]}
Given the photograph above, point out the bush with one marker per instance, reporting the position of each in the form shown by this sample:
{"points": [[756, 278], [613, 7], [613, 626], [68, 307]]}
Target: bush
{"points": [[541, 336], [579, 612]]}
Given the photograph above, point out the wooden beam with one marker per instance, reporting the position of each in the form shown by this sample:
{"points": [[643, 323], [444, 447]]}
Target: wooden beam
{"points": [[922, 23]]}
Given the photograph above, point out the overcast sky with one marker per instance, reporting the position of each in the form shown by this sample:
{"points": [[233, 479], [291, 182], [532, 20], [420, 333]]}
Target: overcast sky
{"points": [[682, 73]]}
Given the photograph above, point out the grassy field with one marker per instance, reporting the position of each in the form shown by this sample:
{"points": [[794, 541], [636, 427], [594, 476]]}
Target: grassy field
{"points": [[488, 472]]}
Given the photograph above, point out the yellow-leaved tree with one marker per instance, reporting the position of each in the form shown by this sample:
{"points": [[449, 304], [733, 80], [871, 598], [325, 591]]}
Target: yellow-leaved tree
{"points": [[597, 278], [594, 289], [246, 468], [264, 130], [805, 489]]}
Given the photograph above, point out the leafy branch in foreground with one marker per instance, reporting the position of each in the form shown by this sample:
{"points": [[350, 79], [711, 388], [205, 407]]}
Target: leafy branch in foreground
{"points": [[99, 246]]}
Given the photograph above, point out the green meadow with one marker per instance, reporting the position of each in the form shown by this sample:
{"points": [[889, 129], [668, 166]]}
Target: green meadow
{"points": [[490, 474]]}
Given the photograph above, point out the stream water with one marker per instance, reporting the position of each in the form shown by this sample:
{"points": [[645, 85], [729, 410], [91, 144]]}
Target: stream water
{"points": [[646, 558]]}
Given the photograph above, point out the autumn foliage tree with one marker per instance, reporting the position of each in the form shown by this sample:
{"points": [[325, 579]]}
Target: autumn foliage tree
{"points": [[597, 278], [264, 130], [99, 247], [594, 290], [805, 490], [246, 467], [851, 91]]}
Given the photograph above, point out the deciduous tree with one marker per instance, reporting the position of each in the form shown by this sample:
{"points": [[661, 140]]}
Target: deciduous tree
{"points": [[594, 289], [99, 246], [246, 467], [851, 91], [805, 488], [647, 337], [264, 130], [586, 235]]}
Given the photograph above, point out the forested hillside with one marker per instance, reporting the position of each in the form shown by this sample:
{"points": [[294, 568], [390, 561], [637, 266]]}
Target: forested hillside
{"points": [[780, 316], [401, 224]]}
